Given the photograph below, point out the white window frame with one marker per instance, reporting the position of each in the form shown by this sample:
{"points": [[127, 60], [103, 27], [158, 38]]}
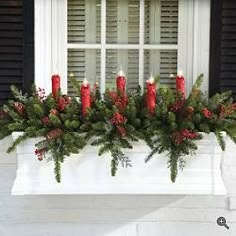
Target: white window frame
{"points": [[51, 42]]}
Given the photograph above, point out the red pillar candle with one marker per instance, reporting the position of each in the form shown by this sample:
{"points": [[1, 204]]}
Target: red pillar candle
{"points": [[85, 97], [120, 83], [55, 85], [151, 95], [180, 84]]}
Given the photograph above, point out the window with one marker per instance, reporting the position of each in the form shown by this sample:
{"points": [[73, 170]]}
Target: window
{"points": [[139, 36], [95, 38]]}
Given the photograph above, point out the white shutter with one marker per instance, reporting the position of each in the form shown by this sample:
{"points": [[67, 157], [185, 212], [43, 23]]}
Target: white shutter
{"points": [[122, 28], [84, 26], [77, 65], [161, 27]]}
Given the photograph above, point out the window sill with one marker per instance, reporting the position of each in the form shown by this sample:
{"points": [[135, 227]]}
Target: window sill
{"points": [[85, 173]]}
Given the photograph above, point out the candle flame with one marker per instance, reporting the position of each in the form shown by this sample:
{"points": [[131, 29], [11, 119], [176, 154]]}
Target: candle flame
{"points": [[180, 73], [121, 72], [172, 76], [85, 82], [151, 79]]}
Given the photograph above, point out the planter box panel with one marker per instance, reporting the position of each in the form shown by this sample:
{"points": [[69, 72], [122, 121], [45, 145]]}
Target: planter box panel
{"points": [[86, 173]]}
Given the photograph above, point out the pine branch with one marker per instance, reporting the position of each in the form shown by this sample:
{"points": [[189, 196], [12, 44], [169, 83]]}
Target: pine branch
{"points": [[173, 165], [231, 131], [4, 132], [75, 84], [220, 139], [57, 169], [114, 166], [118, 158], [18, 94], [197, 85], [152, 153], [19, 140]]}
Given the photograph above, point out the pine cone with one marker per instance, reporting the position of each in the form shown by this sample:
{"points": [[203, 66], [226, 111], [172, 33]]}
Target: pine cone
{"points": [[20, 108], [55, 133], [190, 110]]}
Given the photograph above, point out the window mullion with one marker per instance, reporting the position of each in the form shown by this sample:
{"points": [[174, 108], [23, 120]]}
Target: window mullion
{"points": [[90, 37], [141, 42], [103, 46], [122, 34], [154, 36]]}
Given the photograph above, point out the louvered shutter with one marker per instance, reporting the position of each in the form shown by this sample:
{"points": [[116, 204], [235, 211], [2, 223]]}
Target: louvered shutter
{"points": [[16, 46], [161, 27], [84, 26], [228, 47], [122, 28], [11, 46]]}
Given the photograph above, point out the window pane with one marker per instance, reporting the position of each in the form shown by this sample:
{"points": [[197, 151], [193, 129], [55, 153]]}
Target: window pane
{"points": [[161, 62], [161, 21], [128, 60], [84, 21], [83, 63], [122, 21]]}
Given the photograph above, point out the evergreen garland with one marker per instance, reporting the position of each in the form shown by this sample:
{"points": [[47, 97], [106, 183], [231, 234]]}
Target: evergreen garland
{"points": [[115, 122]]}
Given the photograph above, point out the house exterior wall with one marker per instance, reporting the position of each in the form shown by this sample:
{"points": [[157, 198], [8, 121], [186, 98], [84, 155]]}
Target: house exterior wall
{"points": [[115, 215]]}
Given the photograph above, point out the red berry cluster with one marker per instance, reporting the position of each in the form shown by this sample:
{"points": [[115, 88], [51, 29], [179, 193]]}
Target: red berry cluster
{"points": [[120, 101], [40, 153], [118, 119], [184, 134], [112, 95], [63, 102], [207, 113], [177, 105], [46, 120]]}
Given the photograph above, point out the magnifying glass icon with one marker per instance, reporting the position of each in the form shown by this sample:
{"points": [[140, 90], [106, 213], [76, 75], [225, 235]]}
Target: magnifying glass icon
{"points": [[221, 221]]}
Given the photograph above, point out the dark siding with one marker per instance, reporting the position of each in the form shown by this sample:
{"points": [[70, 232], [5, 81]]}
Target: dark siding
{"points": [[223, 46], [16, 46]]}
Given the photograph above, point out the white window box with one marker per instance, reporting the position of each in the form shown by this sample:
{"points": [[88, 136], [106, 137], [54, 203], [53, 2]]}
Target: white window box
{"points": [[86, 173]]}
